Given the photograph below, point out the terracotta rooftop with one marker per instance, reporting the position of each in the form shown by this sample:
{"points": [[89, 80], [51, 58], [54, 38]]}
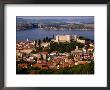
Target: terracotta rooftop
{"points": [[45, 52]]}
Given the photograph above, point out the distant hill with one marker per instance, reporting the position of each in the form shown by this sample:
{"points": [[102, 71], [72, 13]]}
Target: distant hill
{"points": [[44, 21], [55, 21]]}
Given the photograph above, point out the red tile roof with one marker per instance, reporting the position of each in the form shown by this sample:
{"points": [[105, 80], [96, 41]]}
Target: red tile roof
{"points": [[37, 65], [44, 52], [23, 65]]}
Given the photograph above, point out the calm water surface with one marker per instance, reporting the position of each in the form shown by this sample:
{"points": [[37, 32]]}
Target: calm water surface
{"points": [[35, 34]]}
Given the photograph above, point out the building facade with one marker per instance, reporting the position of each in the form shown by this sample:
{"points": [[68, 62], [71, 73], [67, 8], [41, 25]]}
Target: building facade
{"points": [[63, 38]]}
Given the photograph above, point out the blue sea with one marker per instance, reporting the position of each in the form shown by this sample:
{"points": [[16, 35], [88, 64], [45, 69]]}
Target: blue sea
{"points": [[36, 34]]}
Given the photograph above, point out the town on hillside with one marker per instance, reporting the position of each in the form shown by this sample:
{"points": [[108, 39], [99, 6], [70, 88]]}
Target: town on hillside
{"points": [[62, 54]]}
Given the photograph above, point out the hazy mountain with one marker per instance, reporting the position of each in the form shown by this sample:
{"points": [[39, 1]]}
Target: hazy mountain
{"points": [[50, 21]]}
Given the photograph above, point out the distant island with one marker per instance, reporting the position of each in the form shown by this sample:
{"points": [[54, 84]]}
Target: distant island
{"points": [[23, 24]]}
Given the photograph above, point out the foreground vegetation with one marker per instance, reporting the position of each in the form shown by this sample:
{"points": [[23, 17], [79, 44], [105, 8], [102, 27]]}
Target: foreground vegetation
{"points": [[77, 69]]}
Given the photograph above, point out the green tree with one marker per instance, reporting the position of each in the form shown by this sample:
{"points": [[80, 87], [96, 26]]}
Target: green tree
{"points": [[39, 43]]}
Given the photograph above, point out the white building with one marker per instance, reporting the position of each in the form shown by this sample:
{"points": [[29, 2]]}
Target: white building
{"points": [[81, 41], [63, 38], [75, 37]]}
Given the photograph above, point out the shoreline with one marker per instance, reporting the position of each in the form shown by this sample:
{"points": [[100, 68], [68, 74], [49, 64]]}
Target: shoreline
{"points": [[81, 37], [56, 30]]}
